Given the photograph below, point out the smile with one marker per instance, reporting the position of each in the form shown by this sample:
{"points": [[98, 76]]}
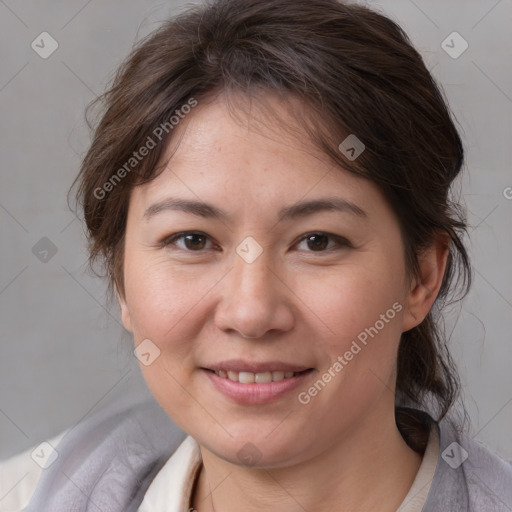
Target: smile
{"points": [[246, 377], [259, 386]]}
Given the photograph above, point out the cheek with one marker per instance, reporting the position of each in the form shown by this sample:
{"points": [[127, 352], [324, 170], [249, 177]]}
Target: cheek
{"points": [[161, 299], [354, 299], [164, 307], [361, 314], [362, 310]]}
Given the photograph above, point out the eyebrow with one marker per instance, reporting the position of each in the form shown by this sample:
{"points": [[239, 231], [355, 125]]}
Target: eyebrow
{"points": [[300, 209]]}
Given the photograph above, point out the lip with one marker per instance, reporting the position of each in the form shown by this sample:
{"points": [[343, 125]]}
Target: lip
{"points": [[257, 393]]}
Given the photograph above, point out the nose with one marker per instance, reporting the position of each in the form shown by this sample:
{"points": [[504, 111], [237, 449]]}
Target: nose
{"points": [[255, 300]]}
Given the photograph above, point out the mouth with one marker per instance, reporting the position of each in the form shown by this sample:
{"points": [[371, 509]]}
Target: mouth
{"points": [[251, 384], [246, 377]]}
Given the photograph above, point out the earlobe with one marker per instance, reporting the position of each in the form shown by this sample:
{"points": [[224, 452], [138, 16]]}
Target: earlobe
{"points": [[425, 287], [125, 313]]}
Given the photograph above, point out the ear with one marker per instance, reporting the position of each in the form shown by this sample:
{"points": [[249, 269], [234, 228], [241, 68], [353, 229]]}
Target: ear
{"points": [[425, 287], [125, 313]]}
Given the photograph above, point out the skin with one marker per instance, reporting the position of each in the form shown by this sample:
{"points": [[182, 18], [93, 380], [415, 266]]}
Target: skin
{"points": [[295, 303]]}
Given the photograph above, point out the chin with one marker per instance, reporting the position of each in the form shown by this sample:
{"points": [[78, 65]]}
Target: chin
{"points": [[254, 447]]}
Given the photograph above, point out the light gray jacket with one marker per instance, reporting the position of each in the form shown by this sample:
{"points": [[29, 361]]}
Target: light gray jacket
{"points": [[108, 461]]}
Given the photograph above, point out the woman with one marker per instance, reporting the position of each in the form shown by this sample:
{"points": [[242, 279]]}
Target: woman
{"points": [[269, 189]]}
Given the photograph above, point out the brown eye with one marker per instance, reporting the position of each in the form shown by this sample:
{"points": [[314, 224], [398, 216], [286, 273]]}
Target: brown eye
{"points": [[188, 241], [317, 242], [323, 242], [194, 241]]}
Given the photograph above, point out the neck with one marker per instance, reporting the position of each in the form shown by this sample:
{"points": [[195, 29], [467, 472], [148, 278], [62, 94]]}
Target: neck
{"points": [[370, 469]]}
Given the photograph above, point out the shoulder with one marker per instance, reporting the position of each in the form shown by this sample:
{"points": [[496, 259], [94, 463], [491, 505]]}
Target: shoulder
{"points": [[110, 456], [469, 475]]}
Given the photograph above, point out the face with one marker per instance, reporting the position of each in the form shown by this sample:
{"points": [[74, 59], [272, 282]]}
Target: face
{"points": [[269, 289]]}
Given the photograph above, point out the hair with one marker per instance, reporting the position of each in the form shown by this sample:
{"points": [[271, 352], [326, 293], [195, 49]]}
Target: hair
{"points": [[356, 72]]}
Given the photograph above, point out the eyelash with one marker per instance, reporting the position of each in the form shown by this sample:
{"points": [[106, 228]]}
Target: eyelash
{"points": [[339, 240]]}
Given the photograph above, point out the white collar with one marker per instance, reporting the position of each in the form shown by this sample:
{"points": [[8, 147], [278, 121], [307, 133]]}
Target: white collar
{"points": [[417, 495], [171, 489]]}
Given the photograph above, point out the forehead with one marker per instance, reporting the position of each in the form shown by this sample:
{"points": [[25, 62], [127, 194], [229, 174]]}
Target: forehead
{"points": [[243, 151], [258, 126]]}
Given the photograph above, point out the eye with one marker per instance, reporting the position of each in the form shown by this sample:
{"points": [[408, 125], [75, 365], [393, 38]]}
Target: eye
{"points": [[193, 241], [196, 241], [319, 242]]}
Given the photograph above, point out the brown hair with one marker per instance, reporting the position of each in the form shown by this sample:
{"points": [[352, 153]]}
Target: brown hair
{"points": [[357, 73]]}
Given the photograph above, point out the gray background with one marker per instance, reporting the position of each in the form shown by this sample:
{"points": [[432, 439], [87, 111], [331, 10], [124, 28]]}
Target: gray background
{"points": [[63, 351]]}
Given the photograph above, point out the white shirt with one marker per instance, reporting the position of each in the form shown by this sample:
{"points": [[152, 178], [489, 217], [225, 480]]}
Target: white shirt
{"points": [[171, 489]]}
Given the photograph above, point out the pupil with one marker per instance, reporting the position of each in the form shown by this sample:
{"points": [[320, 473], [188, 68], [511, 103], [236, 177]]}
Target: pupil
{"points": [[319, 241]]}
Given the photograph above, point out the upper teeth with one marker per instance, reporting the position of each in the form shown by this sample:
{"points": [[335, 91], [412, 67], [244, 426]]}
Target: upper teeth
{"points": [[250, 377]]}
